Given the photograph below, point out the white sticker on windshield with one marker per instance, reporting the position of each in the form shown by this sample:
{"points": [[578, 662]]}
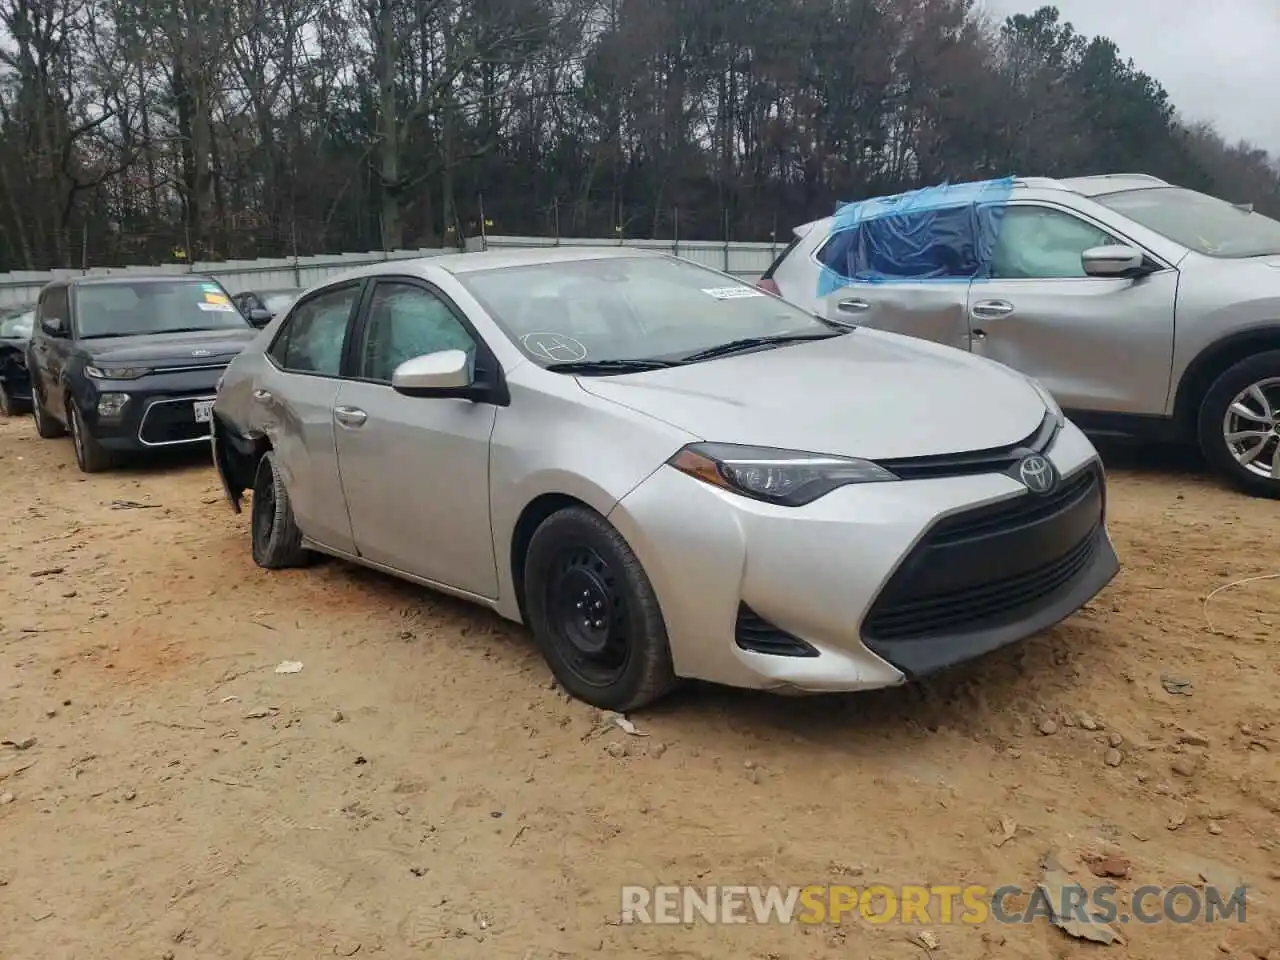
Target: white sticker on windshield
{"points": [[732, 293], [217, 307]]}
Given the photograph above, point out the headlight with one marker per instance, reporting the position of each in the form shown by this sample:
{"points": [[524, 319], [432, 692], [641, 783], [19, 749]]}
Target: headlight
{"points": [[785, 477], [116, 373], [1050, 404]]}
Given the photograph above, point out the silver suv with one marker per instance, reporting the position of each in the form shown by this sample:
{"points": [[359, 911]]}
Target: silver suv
{"points": [[1146, 309]]}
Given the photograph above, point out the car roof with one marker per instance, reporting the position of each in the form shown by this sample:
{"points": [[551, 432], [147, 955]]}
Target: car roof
{"points": [[1102, 184], [463, 263], [1096, 185], [113, 279]]}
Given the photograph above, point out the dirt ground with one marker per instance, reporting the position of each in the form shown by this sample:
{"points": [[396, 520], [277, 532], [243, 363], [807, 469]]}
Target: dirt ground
{"points": [[421, 788]]}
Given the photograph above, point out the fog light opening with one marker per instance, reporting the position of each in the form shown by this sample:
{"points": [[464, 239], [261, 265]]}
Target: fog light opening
{"points": [[111, 405]]}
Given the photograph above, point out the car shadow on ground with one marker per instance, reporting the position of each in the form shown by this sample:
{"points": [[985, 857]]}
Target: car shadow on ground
{"points": [[188, 458], [1171, 460], [965, 697]]}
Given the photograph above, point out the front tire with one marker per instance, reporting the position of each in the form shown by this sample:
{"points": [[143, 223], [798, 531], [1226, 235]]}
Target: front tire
{"points": [[46, 427], [91, 456], [594, 613], [1239, 425], [277, 541]]}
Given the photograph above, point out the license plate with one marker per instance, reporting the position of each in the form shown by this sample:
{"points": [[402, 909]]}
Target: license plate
{"points": [[204, 411]]}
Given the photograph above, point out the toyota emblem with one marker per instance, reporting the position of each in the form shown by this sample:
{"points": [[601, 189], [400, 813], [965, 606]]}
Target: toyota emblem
{"points": [[1037, 474]]}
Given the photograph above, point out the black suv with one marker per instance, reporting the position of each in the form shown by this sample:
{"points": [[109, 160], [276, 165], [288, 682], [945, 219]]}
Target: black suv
{"points": [[130, 363]]}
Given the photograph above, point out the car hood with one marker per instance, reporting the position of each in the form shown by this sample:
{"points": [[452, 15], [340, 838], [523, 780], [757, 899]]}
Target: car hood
{"points": [[200, 347], [866, 394]]}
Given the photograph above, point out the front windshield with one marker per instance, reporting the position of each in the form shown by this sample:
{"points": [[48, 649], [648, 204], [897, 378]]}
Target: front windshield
{"points": [[1205, 224], [17, 326], [153, 306], [629, 308]]}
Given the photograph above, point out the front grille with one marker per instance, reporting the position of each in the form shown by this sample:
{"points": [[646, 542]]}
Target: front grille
{"points": [[1021, 510], [968, 609], [172, 421], [992, 460], [192, 368], [988, 567], [753, 632]]}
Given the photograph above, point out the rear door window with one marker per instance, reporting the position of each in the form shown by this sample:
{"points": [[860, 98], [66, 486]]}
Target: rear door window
{"points": [[919, 245]]}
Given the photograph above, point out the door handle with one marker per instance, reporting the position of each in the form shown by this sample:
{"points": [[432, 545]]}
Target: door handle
{"points": [[990, 309], [262, 396], [853, 306], [350, 416]]}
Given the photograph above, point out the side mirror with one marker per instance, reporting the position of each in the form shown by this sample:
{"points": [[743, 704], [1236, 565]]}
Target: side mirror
{"points": [[260, 316], [54, 326], [445, 373], [1113, 261]]}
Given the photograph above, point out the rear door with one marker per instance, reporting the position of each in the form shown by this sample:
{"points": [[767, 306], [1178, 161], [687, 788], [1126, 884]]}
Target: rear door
{"points": [[1101, 344], [293, 402], [874, 279], [52, 353]]}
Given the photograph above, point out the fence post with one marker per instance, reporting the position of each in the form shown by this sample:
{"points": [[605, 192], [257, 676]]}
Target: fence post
{"points": [[297, 270], [726, 240], [675, 231]]}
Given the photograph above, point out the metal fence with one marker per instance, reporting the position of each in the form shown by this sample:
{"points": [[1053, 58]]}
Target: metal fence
{"points": [[746, 260]]}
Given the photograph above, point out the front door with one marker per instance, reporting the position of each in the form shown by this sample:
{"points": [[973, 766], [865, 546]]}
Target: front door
{"points": [[293, 403], [415, 470], [1096, 343]]}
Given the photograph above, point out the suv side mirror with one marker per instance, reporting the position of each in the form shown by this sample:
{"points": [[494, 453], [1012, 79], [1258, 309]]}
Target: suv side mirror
{"points": [[260, 316], [1113, 261], [54, 326]]}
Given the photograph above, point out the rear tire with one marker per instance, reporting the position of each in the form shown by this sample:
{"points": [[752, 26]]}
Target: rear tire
{"points": [[594, 613], [10, 406], [277, 541], [91, 456], [1239, 425], [46, 427]]}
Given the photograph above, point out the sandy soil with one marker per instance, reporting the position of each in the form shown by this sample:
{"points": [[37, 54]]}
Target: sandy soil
{"points": [[420, 788]]}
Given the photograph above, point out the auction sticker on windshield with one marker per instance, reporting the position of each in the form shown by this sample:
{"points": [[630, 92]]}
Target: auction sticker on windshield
{"points": [[203, 410], [732, 293], [216, 301]]}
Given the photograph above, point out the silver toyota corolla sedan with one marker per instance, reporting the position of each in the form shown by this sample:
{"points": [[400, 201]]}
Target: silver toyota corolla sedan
{"points": [[665, 472]]}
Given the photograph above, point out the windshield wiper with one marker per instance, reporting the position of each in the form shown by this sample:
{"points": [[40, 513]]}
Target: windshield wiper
{"points": [[606, 367], [750, 343]]}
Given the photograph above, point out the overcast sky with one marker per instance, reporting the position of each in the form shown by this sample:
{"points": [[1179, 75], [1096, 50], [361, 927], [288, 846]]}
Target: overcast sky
{"points": [[1219, 59]]}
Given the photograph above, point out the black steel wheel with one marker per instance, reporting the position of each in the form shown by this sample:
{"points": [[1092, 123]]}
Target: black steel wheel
{"points": [[594, 612], [277, 541]]}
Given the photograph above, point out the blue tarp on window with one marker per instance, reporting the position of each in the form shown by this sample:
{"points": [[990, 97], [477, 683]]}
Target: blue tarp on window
{"points": [[944, 233]]}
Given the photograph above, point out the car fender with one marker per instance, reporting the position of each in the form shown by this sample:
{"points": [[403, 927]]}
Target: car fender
{"points": [[559, 444], [1215, 357]]}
